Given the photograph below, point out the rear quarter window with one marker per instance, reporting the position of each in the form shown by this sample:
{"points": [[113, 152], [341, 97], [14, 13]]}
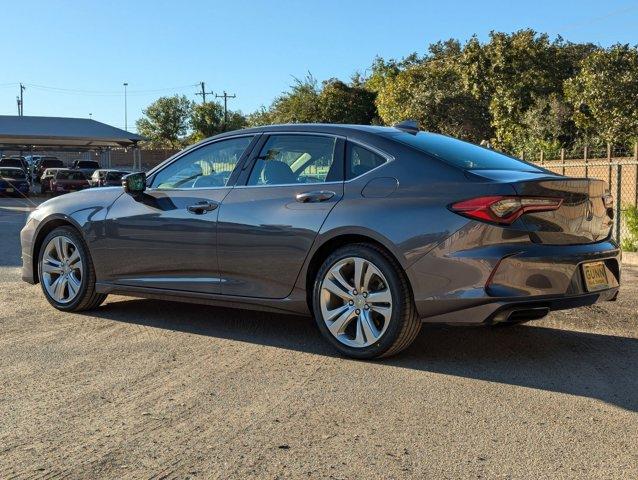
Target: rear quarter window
{"points": [[360, 160]]}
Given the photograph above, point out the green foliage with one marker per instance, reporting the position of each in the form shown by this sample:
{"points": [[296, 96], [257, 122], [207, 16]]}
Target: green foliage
{"points": [[333, 102], [522, 91], [630, 242], [174, 122], [605, 94], [341, 103], [433, 93], [166, 122], [207, 119]]}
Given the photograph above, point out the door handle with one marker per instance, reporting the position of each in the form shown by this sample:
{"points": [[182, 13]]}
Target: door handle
{"points": [[202, 207], [313, 197]]}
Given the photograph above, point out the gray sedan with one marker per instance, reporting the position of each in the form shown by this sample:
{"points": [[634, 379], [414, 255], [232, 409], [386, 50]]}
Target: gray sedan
{"points": [[372, 230]]}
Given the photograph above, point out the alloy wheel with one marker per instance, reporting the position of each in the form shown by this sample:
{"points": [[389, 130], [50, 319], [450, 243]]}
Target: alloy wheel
{"points": [[61, 269], [356, 302]]}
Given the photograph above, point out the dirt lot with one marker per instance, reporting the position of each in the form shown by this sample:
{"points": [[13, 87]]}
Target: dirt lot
{"points": [[149, 389]]}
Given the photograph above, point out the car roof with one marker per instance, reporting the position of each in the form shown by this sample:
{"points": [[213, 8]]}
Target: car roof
{"points": [[329, 128], [12, 168]]}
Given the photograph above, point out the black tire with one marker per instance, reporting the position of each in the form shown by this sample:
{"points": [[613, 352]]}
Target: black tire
{"points": [[87, 298], [404, 323]]}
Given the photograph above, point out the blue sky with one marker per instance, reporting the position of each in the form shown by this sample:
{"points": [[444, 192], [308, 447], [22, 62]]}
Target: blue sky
{"points": [[74, 55]]}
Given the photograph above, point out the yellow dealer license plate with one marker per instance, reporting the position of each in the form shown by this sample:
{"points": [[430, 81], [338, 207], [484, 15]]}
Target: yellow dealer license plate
{"points": [[595, 276]]}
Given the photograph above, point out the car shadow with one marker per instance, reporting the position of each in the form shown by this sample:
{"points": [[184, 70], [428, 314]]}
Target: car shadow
{"points": [[585, 364]]}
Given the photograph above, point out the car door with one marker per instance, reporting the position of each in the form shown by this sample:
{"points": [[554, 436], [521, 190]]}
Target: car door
{"points": [[166, 237], [269, 221]]}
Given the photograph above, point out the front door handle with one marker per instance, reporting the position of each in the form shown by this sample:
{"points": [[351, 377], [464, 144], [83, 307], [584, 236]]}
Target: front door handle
{"points": [[203, 207], [313, 197]]}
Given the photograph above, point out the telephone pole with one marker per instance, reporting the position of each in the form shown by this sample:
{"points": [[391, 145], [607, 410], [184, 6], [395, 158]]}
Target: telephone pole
{"points": [[225, 96], [125, 107], [203, 93], [20, 100]]}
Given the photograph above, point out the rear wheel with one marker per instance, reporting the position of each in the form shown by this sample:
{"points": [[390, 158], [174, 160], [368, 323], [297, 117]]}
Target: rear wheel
{"points": [[66, 272], [362, 303]]}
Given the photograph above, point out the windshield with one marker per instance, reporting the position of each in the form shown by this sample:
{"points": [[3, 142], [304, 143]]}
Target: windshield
{"points": [[62, 175], [461, 154], [11, 173]]}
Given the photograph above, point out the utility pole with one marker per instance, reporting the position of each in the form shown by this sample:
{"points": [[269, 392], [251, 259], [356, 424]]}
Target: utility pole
{"points": [[20, 100], [125, 108], [203, 93], [225, 96]]}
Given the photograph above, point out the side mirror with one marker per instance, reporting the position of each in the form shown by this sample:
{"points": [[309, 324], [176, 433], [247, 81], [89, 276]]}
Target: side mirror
{"points": [[134, 182]]}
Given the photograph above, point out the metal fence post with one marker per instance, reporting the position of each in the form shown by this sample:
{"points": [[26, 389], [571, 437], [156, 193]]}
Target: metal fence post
{"points": [[586, 157], [562, 159], [618, 202], [609, 161]]}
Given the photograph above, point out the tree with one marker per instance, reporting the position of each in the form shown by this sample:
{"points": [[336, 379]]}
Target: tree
{"points": [[433, 94], [207, 119], [341, 103], [166, 122], [548, 127], [333, 102], [605, 94]]}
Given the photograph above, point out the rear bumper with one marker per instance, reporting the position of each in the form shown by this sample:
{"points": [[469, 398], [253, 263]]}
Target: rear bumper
{"points": [[480, 272]]}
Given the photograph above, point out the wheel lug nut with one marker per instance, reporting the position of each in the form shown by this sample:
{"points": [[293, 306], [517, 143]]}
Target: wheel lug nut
{"points": [[366, 307], [354, 292], [351, 302], [357, 311], [365, 294]]}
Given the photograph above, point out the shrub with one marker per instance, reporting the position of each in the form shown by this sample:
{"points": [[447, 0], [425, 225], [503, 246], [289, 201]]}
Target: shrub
{"points": [[630, 242]]}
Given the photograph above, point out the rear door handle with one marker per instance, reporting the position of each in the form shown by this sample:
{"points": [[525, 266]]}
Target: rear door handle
{"points": [[313, 197], [203, 207]]}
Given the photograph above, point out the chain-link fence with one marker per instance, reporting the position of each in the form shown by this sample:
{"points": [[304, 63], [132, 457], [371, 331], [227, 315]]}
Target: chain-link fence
{"points": [[617, 166]]}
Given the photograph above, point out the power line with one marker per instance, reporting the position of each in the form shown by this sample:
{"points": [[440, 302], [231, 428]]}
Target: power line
{"points": [[106, 93]]}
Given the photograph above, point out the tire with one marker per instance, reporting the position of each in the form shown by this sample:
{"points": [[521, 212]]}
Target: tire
{"points": [[85, 297], [381, 328]]}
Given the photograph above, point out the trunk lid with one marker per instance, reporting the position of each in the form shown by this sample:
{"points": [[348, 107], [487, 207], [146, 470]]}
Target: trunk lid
{"points": [[584, 216]]}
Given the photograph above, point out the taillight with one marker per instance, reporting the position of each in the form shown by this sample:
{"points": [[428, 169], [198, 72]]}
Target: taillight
{"points": [[504, 209]]}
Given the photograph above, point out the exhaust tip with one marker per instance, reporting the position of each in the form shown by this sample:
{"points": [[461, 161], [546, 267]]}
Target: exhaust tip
{"points": [[520, 314]]}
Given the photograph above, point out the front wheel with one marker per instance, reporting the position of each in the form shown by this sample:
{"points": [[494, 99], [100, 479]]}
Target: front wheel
{"points": [[66, 272], [363, 304]]}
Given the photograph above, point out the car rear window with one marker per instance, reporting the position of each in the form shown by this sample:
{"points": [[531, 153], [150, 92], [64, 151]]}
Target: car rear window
{"points": [[62, 175], [88, 164], [11, 173], [11, 162], [461, 154], [115, 175], [52, 163]]}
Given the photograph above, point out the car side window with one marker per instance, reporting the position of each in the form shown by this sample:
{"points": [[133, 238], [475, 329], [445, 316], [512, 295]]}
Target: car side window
{"points": [[291, 159], [206, 167], [360, 160]]}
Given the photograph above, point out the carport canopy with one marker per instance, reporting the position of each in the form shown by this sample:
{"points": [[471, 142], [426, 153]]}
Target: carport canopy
{"points": [[58, 133]]}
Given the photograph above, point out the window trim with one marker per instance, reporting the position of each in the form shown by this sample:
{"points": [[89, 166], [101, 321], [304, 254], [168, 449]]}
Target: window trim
{"points": [[232, 180], [339, 156]]}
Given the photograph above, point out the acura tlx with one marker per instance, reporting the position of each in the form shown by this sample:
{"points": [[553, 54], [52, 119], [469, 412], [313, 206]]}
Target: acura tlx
{"points": [[372, 230]]}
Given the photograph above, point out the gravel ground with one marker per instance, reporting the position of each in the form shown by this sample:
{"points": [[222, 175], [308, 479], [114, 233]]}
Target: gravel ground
{"points": [[150, 389]]}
